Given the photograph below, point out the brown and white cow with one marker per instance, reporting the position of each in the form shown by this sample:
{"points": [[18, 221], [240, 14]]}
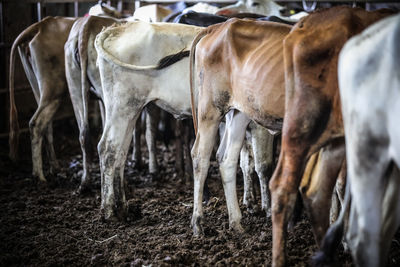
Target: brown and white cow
{"points": [[41, 48], [313, 115]]}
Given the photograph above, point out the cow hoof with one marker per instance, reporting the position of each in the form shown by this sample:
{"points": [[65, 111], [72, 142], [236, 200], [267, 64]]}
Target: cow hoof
{"points": [[41, 178], [153, 177], [268, 213], [108, 215], [54, 167], [83, 189], [42, 184], [237, 227], [196, 226], [251, 208], [137, 165]]}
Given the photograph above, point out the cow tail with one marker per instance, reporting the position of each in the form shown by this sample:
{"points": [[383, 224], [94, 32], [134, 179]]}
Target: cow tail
{"points": [[192, 58], [24, 36], [83, 42], [334, 235]]}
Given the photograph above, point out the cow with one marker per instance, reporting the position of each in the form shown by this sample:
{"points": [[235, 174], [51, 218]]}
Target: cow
{"points": [[313, 116], [237, 65], [103, 10], [263, 7], [42, 56], [150, 13], [369, 83], [205, 19], [131, 78], [81, 74]]}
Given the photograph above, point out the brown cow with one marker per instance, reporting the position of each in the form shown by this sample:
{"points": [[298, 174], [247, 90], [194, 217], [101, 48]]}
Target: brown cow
{"points": [[313, 115], [317, 201], [41, 48], [239, 65]]}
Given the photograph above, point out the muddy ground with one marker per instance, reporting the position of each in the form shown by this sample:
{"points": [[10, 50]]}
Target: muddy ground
{"points": [[51, 225]]}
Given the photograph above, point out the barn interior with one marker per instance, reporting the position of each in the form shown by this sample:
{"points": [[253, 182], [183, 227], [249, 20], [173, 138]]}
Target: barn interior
{"points": [[53, 224]]}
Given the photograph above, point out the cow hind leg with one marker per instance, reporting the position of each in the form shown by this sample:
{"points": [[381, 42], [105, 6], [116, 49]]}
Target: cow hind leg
{"points": [[284, 191], [38, 126], [369, 178], [54, 165], [113, 148], [317, 194], [201, 152]]}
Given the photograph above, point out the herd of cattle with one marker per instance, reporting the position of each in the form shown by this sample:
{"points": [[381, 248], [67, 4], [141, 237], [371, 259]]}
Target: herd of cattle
{"points": [[330, 84]]}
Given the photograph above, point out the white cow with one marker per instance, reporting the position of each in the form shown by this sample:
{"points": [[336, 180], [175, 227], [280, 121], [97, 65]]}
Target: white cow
{"points": [[132, 78], [103, 10], [262, 7], [202, 7], [369, 82], [150, 13], [82, 74]]}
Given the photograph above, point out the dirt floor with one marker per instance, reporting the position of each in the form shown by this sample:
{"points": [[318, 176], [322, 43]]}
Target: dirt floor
{"points": [[51, 225]]}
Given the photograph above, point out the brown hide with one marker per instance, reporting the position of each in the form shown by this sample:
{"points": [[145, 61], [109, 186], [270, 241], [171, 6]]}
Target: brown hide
{"points": [[42, 53], [241, 66], [313, 114]]}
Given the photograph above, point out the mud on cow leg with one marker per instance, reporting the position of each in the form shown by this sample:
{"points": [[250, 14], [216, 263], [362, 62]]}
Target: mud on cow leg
{"points": [[187, 128], [179, 165], [113, 149], [51, 154], [137, 153], [38, 126], [201, 153], [228, 160], [247, 166], [152, 118], [84, 139], [284, 189], [264, 160]]}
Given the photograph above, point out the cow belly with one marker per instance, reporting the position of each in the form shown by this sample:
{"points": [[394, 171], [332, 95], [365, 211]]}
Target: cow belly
{"points": [[169, 88]]}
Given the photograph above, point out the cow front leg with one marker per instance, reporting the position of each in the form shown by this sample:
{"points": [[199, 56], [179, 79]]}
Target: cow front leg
{"points": [[201, 153], [263, 152], [228, 167], [247, 166], [187, 128], [178, 132], [152, 118], [38, 126], [136, 144], [113, 148]]}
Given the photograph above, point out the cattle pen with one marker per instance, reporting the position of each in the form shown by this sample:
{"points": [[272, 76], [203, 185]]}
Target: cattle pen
{"points": [[145, 214]]}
